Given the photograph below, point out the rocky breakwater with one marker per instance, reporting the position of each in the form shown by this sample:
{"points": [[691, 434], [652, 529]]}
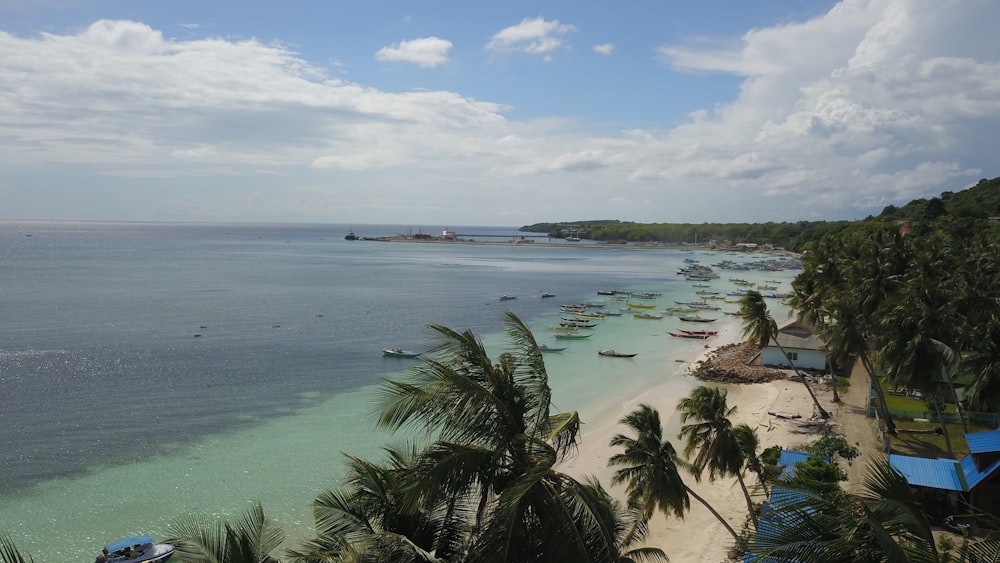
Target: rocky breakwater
{"points": [[732, 363]]}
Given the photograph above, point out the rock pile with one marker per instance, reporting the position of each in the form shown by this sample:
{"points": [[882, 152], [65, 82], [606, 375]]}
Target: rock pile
{"points": [[731, 364]]}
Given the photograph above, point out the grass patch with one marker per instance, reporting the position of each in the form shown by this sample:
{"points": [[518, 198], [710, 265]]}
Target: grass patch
{"points": [[930, 445]]}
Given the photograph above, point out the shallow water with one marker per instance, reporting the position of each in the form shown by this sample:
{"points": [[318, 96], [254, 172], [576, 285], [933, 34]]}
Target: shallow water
{"points": [[115, 418]]}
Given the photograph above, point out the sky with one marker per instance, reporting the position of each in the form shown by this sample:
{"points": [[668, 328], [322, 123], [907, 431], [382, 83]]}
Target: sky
{"points": [[492, 113]]}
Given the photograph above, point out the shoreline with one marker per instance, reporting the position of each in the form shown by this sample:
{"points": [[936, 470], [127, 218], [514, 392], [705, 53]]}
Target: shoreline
{"points": [[698, 536]]}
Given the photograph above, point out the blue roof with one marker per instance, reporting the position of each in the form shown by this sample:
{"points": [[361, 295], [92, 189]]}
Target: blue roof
{"points": [[128, 542], [946, 474], [974, 476], [787, 462], [983, 442]]}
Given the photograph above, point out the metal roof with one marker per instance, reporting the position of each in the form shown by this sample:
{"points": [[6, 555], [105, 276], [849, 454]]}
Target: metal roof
{"points": [[974, 476], [982, 442], [946, 474], [787, 461]]}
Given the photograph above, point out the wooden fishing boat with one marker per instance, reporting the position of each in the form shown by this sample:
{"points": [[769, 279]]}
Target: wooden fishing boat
{"points": [[640, 306], [571, 336], [695, 319], [614, 354]]}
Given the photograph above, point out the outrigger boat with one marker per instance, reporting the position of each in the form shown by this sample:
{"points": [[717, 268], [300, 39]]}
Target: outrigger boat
{"points": [[547, 348], [701, 332], [135, 549], [613, 354], [682, 335]]}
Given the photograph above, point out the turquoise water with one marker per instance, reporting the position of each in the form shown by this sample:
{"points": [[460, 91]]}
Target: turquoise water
{"points": [[116, 419]]}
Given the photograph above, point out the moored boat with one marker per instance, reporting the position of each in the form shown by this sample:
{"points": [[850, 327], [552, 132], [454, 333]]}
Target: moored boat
{"points": [[640, 306], [134, 549], [693, 336], [647, 316], [399, 353], [701, 332], [547, 348], [351, 236], [614, 354], [695, 319], [571, 336]]}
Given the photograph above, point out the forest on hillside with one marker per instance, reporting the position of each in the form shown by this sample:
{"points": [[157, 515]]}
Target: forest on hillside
{"points": [[967, 209]]}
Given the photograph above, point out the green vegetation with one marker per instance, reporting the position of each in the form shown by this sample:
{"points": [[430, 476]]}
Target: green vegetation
{"points": [[960, 213]]}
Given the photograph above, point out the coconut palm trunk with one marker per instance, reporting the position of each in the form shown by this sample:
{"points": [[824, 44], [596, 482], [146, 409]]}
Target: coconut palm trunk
{"points": [[714, 512], [819, 408]]}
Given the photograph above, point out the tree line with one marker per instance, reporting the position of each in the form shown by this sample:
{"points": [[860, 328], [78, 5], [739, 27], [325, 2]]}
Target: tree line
{"points": [[967, 210]]}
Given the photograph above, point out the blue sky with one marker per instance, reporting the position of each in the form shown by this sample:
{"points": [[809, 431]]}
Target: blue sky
{"points": [[507, 113]]}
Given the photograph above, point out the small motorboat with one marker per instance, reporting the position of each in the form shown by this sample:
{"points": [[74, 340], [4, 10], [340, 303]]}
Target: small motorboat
{"points": [[547, 348], [506, 297], [547, 294], [134, 549], [351, 236], [399, 353], [614, 354]]}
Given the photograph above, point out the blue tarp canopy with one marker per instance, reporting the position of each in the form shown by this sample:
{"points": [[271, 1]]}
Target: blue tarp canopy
{"points": [[128, 542]]}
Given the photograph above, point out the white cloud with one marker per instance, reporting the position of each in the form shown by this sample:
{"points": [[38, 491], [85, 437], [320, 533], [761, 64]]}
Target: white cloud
{"points": [[875, 102], [534, 36], [427, 52], [604, 48]]}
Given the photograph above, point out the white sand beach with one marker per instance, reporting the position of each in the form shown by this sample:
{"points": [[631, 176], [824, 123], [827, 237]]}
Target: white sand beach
{"points": [[699, 537]]}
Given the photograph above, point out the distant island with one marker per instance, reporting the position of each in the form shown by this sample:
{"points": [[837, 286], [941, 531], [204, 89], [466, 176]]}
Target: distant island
{"points": [[975, 205]]}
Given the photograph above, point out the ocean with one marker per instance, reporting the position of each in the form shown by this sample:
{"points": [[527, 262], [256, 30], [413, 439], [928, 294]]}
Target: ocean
{"points": [[150, 371]]}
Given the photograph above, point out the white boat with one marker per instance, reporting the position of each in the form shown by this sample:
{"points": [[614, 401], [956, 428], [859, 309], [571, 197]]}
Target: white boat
{"points": [[399, 353], [506, 297], [134, 549]]}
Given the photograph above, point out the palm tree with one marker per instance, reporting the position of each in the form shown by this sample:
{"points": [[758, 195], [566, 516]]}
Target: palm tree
{"points": [[749, 443], [712, 438], [626, 524], [496, 446], [9, 552], [814, 522], [841, 290], [374, 516], [759, 328], [649, 466], [251, 539]]}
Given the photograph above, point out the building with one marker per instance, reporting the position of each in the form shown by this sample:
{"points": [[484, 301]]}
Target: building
{"points": [[806, 349], [946, 486]]}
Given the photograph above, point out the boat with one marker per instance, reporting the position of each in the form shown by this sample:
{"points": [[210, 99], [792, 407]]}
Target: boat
{"points": [[547, 294], [682, 335], [647, 316], [571, 336], [547, 348], [613, 354], [701, 332], [351, 236], [506, 297], [399, 353], [785, 415], [585, 315], [135, 549], [640, 306], [576, 324], [695, 319]]}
